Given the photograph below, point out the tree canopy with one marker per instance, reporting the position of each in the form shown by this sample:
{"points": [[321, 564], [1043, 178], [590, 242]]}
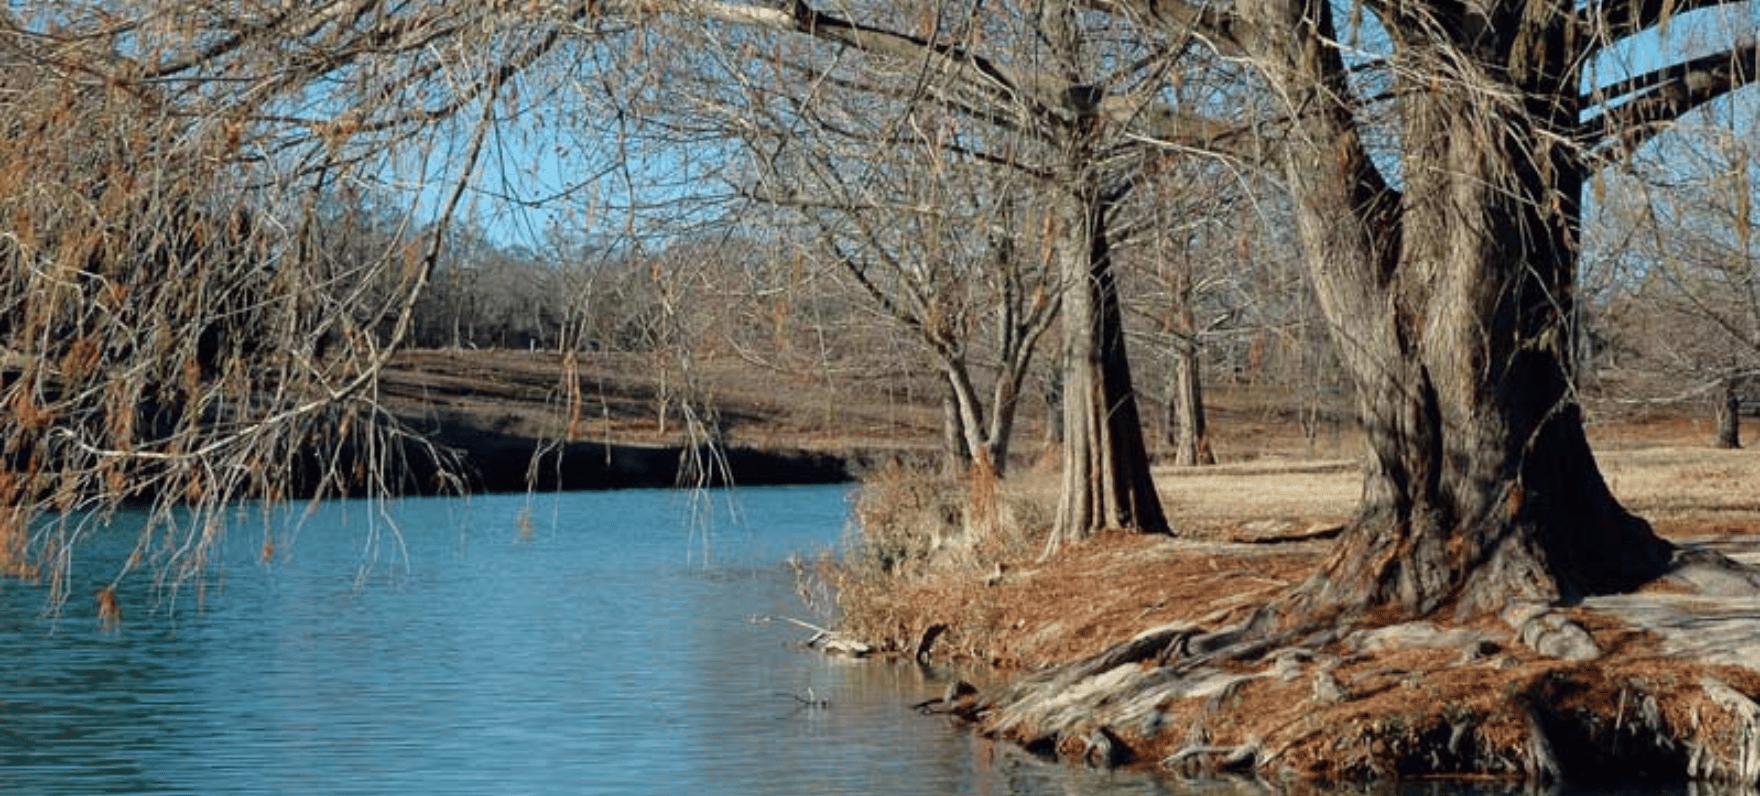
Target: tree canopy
{"points": [[1432, 160]]}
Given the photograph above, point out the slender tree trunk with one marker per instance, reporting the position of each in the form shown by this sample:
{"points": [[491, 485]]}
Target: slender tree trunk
{"points": [[1185, 411], [1729, 416], [1185, 401], [1004, 402], [1106, 481], [1053, 393], [956, 456]]}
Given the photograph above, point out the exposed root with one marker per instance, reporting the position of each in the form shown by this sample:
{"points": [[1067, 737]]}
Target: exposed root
{"points": [[1222, 759], [1549, 632], [1713, 574], [1413, 699], [1542, 763], [1731, 753]]}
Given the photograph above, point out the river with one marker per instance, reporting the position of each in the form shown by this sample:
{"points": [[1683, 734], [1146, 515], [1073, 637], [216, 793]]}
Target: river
{"points": [[577, 643]]}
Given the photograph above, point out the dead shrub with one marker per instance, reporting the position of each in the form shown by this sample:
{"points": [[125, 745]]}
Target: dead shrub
{"points": [[924, 549], [905, 519]]}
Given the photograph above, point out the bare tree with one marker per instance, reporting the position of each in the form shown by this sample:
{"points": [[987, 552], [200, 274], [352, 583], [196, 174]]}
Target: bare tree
{"points": [[1684, 296], [1050, 90], [1437, 176], [174, 330], [941, 259], [1187, 275]]}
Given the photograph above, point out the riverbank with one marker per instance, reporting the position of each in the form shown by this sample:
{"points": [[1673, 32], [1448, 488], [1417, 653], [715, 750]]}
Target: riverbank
{"points": [[515, 420], [1087, 643]]}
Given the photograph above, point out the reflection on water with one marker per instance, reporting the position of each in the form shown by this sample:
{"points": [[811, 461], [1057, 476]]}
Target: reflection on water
{"points": [[591, 651]]}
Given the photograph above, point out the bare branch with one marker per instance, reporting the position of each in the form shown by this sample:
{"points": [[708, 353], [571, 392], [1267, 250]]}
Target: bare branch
{"points": [[1605, 23], [1644, 106], [1220, 29]]}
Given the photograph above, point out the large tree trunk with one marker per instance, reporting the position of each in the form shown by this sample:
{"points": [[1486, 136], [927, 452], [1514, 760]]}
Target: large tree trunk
{"points": [[1450, 304], [1106, 481]]}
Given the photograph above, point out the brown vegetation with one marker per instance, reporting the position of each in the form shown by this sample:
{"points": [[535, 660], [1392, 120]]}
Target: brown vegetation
{"points": [[1401, 703]]}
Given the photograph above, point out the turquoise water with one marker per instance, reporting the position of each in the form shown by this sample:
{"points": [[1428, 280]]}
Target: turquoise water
{"points": [[559, 644], [585, 643]]}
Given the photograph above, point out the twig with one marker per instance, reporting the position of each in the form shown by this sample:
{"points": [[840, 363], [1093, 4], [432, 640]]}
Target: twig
{"points": [[808, 625], [810, 700]]}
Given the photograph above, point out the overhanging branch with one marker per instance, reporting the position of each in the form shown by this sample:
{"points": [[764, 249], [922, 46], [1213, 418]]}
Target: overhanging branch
{"points": [[1648, 103], [1605, 23], [1039, 95]]}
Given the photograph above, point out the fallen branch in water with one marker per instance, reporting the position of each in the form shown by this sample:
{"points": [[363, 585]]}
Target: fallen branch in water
{"points": [[809, 701], [823, 639]]}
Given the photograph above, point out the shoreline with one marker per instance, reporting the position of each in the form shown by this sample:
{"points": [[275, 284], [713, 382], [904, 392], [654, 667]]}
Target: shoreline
{"points": [[1083, 650]]}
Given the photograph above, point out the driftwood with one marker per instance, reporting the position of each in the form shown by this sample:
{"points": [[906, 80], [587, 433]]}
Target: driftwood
{"points": [[959, 700], [825, 640]]}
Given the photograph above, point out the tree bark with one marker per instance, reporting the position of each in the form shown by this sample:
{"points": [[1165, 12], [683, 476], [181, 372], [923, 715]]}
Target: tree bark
{"points": [[1106, 481], [1185, 411], [1053, 395], [1729, 416], [1450, 304], [957, 458], [1186, 430]]}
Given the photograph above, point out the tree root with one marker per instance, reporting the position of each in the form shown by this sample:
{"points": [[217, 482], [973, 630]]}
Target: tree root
{"points": [[1225, 759], [1713, 574], [1274, 704], [1549, 632], [1740, 762]]}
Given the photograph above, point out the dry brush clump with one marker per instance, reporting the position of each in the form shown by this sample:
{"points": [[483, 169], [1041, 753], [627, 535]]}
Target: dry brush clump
{"points": [[923, 549]]}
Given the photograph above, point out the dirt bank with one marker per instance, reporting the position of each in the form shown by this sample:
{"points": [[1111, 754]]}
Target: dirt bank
{"points": [[535, 420], [1671, 695]]}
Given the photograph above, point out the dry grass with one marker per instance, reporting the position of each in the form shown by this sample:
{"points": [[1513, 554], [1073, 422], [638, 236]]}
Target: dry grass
{"points": [[1259, 498], [1658, 466], [1678, 487]]}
